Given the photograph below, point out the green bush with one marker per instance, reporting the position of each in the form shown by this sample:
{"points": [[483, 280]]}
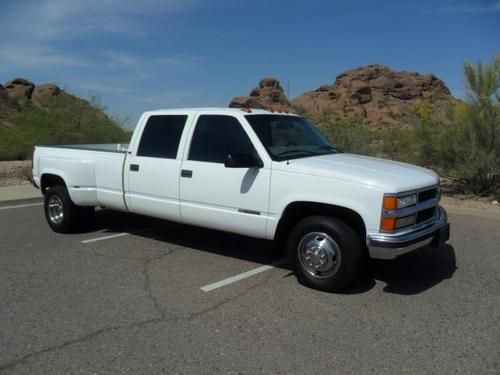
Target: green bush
{"points": [[348, 135], [355, 137], [62, 119]]}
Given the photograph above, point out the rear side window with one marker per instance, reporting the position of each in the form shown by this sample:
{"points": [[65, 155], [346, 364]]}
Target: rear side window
{"points": [[217, 136], [161, 136]]}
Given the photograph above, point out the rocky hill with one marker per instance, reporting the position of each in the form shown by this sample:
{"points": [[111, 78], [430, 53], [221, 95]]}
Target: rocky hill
{"points": [[374, 93], [33, 114], [268, 95], [19, 94]]}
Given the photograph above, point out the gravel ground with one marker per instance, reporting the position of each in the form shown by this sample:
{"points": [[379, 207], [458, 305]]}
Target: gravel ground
{"points": [[14, 172]]}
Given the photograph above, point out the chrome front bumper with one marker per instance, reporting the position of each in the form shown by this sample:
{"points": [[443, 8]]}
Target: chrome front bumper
{"points": [[390, 246]]}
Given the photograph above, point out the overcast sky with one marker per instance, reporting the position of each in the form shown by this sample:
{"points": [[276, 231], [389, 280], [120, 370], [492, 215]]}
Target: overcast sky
{"points": [[150, 54]]}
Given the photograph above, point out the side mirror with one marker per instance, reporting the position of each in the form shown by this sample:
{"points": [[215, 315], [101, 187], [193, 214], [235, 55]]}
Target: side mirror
{"points": [[243, 161]]}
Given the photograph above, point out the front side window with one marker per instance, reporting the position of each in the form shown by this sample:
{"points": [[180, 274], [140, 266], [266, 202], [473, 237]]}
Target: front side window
{"points": [[161, 136], [217, 136], [289, 137]]}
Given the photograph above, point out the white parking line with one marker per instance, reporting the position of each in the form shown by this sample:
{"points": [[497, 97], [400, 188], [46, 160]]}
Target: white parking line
{"points": [[21, 205], [102, 238], [241, 276], [106, 237]]}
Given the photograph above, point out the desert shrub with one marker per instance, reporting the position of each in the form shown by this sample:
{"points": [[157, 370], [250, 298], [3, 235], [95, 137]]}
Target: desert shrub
{"points": [[464, 144], [398, 144], [356, 137], [348, 135]]}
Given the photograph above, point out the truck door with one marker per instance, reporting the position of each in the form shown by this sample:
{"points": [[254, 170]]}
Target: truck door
{"points": [[213, 196], [152, 186]]}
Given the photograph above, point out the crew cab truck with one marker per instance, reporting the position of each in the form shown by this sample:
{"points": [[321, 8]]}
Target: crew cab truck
{"points": [[256, 173]]}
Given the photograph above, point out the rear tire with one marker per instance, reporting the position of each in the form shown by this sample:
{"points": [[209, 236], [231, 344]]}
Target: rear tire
{"points": [[325, 253], [61, 213]]}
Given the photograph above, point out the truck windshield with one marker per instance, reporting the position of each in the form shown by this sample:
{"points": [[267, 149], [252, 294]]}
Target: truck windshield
{"points": [[289, 137]]}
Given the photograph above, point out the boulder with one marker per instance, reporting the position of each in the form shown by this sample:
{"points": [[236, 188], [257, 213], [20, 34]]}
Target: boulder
{"points": [[323, 88], [245, 102], [268, 95], [19, 88], [45, 91], [3, 93], [6, 102], [269, 82]]}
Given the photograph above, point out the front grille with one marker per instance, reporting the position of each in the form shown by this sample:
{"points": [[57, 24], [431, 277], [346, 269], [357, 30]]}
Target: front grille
{"points": [[424, 211], [427, 194], [426, 214]]}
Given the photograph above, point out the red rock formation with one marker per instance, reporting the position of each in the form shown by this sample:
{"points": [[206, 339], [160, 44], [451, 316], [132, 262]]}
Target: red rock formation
{"points": [[269, 95], [374, 93]]}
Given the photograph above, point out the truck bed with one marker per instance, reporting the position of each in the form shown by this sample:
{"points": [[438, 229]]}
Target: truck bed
{"points": [[93, 172], [106, 147]]}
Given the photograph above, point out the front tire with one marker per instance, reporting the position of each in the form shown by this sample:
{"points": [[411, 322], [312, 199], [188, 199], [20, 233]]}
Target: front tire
{"points": [[60, 211], [325, 253]]}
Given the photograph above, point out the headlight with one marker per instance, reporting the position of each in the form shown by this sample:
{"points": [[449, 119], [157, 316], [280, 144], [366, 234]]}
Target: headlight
{"points": [[394, 203], [409, 200]]}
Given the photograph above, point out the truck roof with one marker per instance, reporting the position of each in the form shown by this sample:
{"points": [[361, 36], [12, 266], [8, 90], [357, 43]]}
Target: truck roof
{"points": [[221, 110]]}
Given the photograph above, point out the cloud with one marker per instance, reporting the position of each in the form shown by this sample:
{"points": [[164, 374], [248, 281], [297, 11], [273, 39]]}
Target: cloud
{"points": [[61, 34], [125, 73], [96, 88], [38, 57], [135, 63], [69, 20], [491, 7], [174, 62], [168, 99]]}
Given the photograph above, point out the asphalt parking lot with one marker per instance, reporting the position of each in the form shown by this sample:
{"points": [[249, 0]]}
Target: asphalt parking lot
{"points": [[135, 295]]}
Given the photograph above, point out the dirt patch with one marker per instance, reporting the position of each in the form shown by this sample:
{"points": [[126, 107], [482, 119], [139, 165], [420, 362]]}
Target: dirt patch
{"points": [[15, 172], [471, 202]]}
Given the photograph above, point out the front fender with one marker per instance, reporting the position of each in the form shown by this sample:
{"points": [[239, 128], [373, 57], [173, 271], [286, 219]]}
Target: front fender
{"points": [[288, 188]]}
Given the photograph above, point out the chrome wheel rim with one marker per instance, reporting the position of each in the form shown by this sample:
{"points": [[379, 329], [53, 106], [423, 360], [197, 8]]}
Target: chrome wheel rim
{"points": [[319, 255], [55, 209]]}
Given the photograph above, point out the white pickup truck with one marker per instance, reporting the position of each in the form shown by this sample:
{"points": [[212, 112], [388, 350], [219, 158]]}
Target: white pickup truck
{"points": [[257, 173]]}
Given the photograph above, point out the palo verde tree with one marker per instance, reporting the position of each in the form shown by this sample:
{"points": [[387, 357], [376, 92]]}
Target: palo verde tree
{"points": [[479, 133], [483, 82]]}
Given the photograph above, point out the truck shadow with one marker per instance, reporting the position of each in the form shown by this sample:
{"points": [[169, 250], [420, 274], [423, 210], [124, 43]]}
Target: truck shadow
{"points": [[409, 274]]}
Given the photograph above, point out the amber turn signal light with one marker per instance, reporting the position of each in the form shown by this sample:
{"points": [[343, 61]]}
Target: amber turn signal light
{"points": [[388, 224], [390, 203]]}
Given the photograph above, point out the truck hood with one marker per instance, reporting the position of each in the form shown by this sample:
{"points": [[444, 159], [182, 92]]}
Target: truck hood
{"points": [[386, 175]]}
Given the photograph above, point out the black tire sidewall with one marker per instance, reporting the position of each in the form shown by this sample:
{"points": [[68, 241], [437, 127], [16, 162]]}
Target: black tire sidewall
{"points": [[348, 242]]}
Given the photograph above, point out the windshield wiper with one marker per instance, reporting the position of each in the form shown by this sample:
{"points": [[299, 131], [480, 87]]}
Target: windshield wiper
{"points": [[287, 152], [328, 148]]}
